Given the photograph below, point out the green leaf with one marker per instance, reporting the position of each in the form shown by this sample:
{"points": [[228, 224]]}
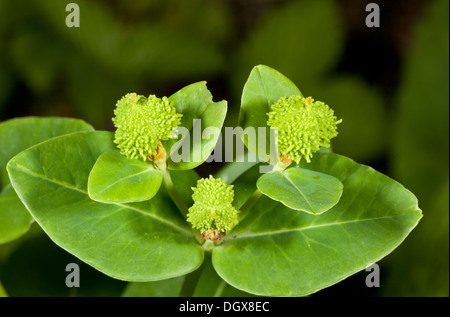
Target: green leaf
{"points": [[142, 241], [264, 87], [302, 189], [19, 134], [15, 220], [195, 102], [278, 251], [118, 179]]}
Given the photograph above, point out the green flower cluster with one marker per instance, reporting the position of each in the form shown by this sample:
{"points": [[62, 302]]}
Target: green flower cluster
{"points": [[303, 126], [142, 122], [213, 209]]}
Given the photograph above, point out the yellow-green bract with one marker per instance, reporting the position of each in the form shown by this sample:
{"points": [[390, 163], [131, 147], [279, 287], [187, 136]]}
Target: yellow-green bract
{"points": [[303, 126], [213, 207], [141, 122]]}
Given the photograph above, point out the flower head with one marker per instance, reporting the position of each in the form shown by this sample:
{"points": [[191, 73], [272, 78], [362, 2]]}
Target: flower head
{"points": [[303, 126], [142, 122], [213, 209]]}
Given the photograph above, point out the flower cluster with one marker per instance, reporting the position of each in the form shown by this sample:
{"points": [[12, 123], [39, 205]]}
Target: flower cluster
{"points": [[142, 122], [213, 209], [303, 126]]}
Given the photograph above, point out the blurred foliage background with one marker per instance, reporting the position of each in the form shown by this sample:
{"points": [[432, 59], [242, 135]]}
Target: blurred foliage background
{"points": [[389, 84]]}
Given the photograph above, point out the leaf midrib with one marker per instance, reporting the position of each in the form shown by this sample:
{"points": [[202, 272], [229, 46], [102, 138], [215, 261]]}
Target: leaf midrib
{"points": [[123, 179], [301, 193], [276, 232], [84, 192], [264, 87]]}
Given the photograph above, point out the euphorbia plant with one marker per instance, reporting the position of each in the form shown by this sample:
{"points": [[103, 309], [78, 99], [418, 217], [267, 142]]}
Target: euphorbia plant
{"points": [[127, 205]]}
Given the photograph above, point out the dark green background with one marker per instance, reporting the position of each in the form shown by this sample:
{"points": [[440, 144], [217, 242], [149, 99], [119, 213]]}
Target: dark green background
{"points": [[389, 84]]}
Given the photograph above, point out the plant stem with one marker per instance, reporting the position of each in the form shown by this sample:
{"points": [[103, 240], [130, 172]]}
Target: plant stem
{"points": [[231, 171], [257, 193], [249, 203], [179, 202], [174, 193]]}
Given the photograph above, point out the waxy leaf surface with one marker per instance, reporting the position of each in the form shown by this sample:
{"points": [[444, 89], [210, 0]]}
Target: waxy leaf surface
{"points": [[141, 241], [264, 87], [17, 135], [195, 142], [116, 178], [278, 251], [302, 189]]}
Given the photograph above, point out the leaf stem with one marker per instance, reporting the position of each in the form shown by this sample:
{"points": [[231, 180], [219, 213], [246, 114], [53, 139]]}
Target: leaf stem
{"points": [[179, 202], [249, 203], [174, 193]]}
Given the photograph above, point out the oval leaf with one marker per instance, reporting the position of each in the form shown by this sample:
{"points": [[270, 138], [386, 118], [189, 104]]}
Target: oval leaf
{"points": [[116, 178], [264, 87], [194, 145], [278, 251], [302, 189], [17, 135], [136, 241]]}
